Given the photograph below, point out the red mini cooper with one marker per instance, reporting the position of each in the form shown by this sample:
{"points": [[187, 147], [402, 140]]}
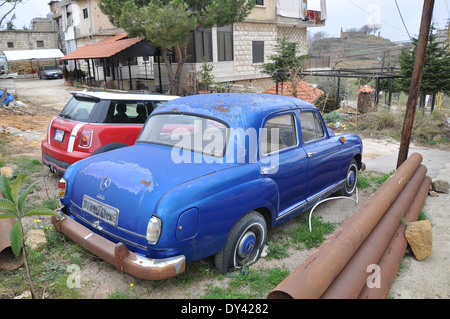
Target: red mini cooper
{"points": [[95, 122]]}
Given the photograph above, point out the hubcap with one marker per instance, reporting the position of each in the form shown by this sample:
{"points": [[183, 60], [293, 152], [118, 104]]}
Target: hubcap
{"points": [[247, 245], [351, 178]]}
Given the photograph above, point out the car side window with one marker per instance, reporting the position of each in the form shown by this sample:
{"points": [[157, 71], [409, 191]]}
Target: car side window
{"points": [[278, 133], [134, 112], [311, 125]]}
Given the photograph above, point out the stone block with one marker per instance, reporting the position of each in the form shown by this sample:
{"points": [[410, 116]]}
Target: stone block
{"points": [[35, 239], [420, 238], [440, 186]]}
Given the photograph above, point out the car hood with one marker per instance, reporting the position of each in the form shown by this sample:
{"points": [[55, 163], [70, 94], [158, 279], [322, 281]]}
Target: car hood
{"points": [[132, 180]]}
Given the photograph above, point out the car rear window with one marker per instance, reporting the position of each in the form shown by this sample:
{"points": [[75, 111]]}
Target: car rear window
{"points": [[78, 109], [188, 132], [86, 109]]}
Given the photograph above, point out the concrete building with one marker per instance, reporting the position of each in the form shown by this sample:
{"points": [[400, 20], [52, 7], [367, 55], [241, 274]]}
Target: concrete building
{"points": [[40, 36], [236, 52], [81, 22]]}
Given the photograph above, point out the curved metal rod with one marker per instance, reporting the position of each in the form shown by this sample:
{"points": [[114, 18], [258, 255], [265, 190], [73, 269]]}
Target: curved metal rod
{"points": [[330, 198]]}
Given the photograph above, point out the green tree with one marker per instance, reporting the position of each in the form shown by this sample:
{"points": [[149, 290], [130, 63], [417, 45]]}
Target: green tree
{"points": [[169, 24], [13, 206], [10, 6], [436, 71], [284, 59]]}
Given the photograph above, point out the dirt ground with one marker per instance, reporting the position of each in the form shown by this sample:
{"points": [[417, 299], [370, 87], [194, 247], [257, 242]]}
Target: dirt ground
{"points": [[41, 100]]}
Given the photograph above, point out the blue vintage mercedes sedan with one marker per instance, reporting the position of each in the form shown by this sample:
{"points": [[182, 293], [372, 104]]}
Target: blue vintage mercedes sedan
{"points": [[207, 176]]}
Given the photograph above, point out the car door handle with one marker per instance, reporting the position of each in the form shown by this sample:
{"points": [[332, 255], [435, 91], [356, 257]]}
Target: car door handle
{"points": [[268, 170], [310, 154]]}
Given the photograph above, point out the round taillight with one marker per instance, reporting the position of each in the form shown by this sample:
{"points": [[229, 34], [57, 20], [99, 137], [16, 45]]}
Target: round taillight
{"points": [[62, 187], [86, 139]]}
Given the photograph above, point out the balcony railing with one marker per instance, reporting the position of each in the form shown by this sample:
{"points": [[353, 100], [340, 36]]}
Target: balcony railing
{"points": [[316, 63], [315, 17]]}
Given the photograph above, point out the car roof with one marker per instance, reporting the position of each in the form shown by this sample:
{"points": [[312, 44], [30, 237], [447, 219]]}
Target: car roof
{"points": [[236, 109], [124, 96]]}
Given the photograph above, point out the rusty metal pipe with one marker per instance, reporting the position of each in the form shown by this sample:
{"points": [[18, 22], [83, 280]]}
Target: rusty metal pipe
{"points": [[393, 255], [315, 274], [351, 280]]}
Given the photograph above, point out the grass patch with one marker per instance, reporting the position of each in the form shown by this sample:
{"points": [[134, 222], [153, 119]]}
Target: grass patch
{"points": [[302, 237], [48, 267], [371, 179], [277, 250], [422, 216], [25, 165], [255, 284]]}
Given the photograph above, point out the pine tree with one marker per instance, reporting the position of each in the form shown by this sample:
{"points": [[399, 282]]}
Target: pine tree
{"points": [[436, 71], [285, 58]]}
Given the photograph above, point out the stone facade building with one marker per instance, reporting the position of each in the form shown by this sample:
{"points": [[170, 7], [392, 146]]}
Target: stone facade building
{"points": [[236, 52], [39, 37], [238, 61]]}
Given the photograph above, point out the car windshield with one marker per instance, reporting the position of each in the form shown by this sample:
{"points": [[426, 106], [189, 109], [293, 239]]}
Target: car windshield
{"points": [[49, 67], [187, 132]]}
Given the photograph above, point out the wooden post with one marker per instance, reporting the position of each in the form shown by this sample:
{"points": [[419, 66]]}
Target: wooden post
{"points": [[338, 104], [390, 93], [416, 79]]}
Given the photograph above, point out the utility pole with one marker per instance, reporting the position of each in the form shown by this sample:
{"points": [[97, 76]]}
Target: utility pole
{"points": [[416, 79]]}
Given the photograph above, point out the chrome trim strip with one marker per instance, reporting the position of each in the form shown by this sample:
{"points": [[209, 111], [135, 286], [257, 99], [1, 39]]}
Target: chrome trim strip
{"points": [[86, 238], [291, 211], [130, 232], [312, 199]]}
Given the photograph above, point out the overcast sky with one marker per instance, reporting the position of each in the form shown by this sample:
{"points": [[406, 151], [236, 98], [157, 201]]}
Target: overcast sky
{"points": [[341, 13]]}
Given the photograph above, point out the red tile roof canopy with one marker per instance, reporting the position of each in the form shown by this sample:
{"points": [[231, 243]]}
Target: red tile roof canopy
{"points": [[117, 46], [305, 91], [366, 89]]}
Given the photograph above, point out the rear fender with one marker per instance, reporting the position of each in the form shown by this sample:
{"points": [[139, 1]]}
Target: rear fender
{"points": [[222, 198]]}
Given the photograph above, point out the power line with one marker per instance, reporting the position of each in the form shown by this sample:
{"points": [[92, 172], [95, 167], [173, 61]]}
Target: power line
{"points": [[402, 19]]}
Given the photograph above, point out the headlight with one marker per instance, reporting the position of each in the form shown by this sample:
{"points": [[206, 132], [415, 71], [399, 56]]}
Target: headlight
{"points": [[153, 230]]}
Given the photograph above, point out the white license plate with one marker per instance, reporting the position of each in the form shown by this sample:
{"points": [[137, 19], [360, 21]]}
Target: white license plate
{"points": [[100, 210], [59, 135]]}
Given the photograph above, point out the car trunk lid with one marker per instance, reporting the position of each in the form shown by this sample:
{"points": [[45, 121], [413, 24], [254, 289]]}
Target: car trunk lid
{"points": [[62, 133], [119, 190]]}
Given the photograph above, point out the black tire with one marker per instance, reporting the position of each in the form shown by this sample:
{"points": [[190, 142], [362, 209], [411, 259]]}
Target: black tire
{"points": [[351, 179], [109, 147], [244, 244]]}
